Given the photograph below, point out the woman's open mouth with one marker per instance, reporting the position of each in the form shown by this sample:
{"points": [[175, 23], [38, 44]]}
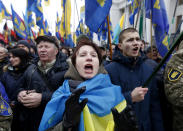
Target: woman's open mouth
{"points": [[88, 68]]}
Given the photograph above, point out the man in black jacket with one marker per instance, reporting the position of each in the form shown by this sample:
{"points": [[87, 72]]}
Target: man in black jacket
{"points": [[40, 81]]}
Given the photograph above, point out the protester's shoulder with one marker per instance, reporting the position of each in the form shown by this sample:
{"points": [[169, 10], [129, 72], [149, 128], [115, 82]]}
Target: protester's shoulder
{"points": [[61, 57], [111, 65]]}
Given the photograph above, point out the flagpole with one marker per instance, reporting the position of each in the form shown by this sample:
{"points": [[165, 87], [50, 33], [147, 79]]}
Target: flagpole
{"points": [[109, 37], [175, 44]]}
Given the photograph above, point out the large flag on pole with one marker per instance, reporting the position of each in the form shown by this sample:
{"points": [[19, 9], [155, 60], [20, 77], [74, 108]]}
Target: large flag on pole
{"points": [[29, 22], [160, 24], [134, 8], [4, 14], [65, 23], [118, 29], [58, 22], [96, 12], [18, 25]]}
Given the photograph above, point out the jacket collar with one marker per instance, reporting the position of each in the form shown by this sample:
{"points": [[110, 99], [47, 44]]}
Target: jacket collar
{"points": [[129, 61]]}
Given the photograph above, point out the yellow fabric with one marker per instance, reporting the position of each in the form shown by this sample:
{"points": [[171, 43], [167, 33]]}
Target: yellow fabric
{"points": [[122, 21], [93, 122], [66, 17]]}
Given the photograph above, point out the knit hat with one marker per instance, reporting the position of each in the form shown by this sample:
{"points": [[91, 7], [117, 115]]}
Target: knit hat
{"points": [[24, 42], [51, 39]]}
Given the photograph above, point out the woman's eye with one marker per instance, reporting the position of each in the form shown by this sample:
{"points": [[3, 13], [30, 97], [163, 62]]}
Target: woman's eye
{"points": [[82, 55]]}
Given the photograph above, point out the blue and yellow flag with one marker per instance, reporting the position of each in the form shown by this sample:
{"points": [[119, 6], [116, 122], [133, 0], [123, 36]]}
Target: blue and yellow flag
{"points": [[103, 30], [102, 96], [36, 7], [5, 109], [118, 29], [89, 33], [58, 22], [4, 14], [160, 24], [134, 8], [66, 24], [96, 12], [80, 28], [18, 25], [29, 22]]}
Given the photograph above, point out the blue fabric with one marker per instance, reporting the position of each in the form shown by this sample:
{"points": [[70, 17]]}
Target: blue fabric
{"points": [[96, 12], [3, 92], [135, 8], [4, 106], [160, 22], [10, 80], [124, 73], [18, 25], [7, 15], [101, 93]]}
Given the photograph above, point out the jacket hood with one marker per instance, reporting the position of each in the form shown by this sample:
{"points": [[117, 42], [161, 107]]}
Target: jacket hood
{"points": [[129, 61]]}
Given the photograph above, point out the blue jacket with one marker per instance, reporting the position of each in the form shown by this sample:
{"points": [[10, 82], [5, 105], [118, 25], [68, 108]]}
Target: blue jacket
{"points": [[129, 74]]}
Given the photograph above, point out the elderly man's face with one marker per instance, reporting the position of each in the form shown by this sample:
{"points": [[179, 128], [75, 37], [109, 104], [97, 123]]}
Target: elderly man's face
{"points": [[3, 53], [47, 51]]}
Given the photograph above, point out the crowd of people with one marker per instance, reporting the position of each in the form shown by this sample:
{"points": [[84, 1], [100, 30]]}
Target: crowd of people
{"points": [[46, 86]]}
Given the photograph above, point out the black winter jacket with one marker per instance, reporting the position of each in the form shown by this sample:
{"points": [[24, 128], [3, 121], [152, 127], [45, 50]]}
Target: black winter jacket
{"points": [[46, 84]]}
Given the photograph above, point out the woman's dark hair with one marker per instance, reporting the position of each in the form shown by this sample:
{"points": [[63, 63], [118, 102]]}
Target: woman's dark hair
{"points": [[22, 54], [83, 43]]}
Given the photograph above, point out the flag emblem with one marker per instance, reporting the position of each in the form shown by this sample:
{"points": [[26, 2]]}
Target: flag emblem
{"points": [[174, 75], [101, 2]]}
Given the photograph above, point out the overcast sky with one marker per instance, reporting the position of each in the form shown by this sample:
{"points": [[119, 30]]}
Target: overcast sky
{"points": [[49, 11]]}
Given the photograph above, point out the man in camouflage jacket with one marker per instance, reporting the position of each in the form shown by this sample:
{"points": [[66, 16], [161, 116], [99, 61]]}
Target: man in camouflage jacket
{"points": [[174, 87]]}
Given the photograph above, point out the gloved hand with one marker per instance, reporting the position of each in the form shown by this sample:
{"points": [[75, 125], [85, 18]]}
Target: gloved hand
{"points": [[73, 108], [125, 120]]}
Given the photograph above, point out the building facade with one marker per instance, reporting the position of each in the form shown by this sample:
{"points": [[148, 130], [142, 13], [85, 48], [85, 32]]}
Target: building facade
{"points": [[123, 6]]}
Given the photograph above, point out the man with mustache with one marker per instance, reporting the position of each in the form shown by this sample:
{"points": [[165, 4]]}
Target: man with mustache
{"points": [[40, 81], [130, 71]]}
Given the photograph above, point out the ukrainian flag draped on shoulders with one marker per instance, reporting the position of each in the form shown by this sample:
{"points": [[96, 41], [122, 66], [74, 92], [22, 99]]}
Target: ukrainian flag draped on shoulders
{"points": [[102, 96], [160, 23], [96, 12]]}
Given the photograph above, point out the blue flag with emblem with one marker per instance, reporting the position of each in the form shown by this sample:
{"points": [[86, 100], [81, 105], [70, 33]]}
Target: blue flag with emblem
{"points": [[4, 14], [18, 25], [58, 22], [102, 96], [36, 7], [96, 12], [160, 24], [134, 8], [5, 109], [29, 21]]}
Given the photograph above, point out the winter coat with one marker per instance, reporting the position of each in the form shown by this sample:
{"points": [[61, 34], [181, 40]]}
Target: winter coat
{"points": [[45, 84], [129, 74], [2, 64], [10, 79], [96, 92]]}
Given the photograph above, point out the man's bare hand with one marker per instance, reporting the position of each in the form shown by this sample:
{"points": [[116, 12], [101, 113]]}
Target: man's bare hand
{"points": [[138, 94]]}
